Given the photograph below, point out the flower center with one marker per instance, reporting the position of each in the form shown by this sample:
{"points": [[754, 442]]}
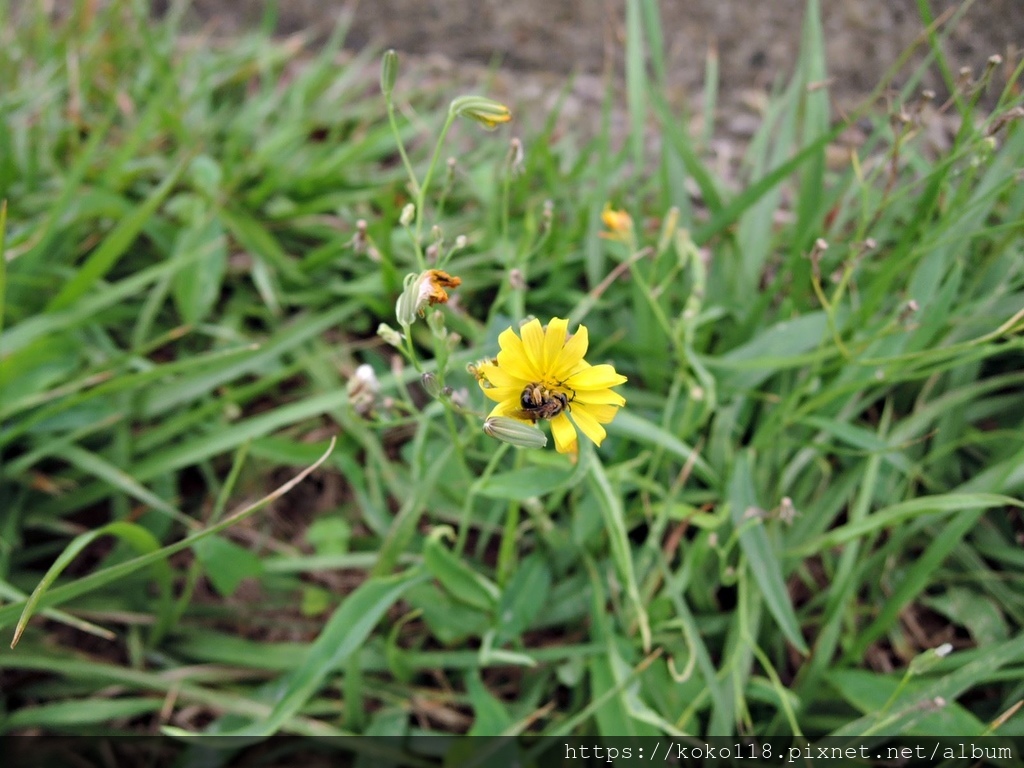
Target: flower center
{"points": [[538, 401]]}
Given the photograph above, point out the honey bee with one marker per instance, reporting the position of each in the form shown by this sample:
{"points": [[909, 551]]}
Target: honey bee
{"points": [[538, 402]]}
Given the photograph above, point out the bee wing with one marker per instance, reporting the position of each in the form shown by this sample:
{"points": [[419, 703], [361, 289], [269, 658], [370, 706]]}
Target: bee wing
{"points": [[522, 413]]}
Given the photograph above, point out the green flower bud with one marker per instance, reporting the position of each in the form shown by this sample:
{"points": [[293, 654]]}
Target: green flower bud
{"points": [[388, 72], [408, 215], [487, 112], [431, 384], [390, 335], [924, 662], [435, 321], [515, 433]]}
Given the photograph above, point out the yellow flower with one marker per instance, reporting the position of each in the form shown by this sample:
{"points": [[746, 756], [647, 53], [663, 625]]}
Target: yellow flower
{"points": [[619, 224], [543, 376]]}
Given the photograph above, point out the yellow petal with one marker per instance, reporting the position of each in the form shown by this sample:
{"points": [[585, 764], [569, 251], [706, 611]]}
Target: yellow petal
{"points": [[599, 397], [603, 414], [497, 394], [554, 340], [533, 345], [499, 377], [564, 433], [512, 358], [509, 409], [595, 377], [571, 355], [588, 425]]}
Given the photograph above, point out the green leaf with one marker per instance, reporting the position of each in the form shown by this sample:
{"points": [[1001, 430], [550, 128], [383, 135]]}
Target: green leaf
{"points": [[522, 484], [34, 368], [196, 287], [490, 717], [346, 631], [114, 245], [978, 614], [907, 510], [760, 554], [43, 596], [525, 595], [618, 538], [227, 564], [909, 710], [329, 535], [76, 712], [134, 535], [870, 693], [648, 433], [458, 579], [450, 621]]}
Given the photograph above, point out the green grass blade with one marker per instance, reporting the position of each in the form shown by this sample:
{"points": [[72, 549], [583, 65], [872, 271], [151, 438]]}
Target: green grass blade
{"points": [[115, 244], [344, 633], [760, 553]]}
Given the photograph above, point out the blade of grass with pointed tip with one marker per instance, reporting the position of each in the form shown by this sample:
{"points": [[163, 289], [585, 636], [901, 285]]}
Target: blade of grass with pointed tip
{"points": [[760, 554], [346, 631], [130, 533], [114, 244], [618, 539], [86, 584]]}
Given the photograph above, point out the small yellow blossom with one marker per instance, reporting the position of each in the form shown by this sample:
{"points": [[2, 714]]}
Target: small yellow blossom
{"points": [[542, 376], [619, 224]]}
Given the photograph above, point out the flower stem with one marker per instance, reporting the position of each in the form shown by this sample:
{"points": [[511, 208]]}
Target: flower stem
{"points": [[401, 147], [421, 193], [507, 550]]}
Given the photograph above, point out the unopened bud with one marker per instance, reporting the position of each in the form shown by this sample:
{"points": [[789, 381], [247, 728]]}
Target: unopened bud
{"points": [[362, 390], [390, 335], [459, 397], [547, 215], [431, 384], [486, 112], [388, 72], [360, 239], [923, 662], [436, 323], [516, 156], [668, 229], [408, 215], [516, 433], [405, 307]]}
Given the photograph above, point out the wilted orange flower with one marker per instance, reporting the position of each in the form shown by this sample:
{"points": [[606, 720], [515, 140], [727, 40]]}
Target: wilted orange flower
{"points": [[432, 288]]}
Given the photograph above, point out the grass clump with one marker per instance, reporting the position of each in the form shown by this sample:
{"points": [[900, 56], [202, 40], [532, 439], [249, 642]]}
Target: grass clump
{"points": [[814, 482]]}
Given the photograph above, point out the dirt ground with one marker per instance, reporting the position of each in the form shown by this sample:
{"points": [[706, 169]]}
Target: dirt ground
{"points": [[756, 42]]}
